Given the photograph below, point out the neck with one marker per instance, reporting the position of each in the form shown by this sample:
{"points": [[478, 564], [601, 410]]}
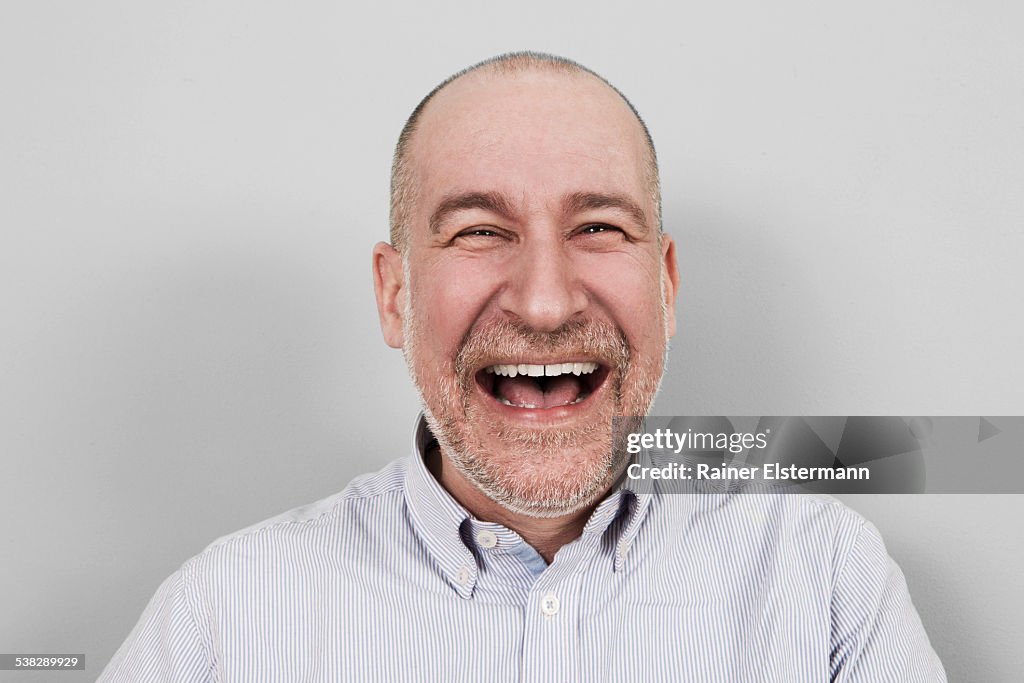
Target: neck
{"points": [[546, 534]]}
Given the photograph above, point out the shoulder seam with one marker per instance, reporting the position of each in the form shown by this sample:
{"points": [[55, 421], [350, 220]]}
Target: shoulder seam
{"points": [[842, 561], [187, 587]]}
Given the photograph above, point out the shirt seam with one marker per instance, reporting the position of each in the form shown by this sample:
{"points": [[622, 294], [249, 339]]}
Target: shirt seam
{"points": [[840, 569], [841, 564], [187, 589]]}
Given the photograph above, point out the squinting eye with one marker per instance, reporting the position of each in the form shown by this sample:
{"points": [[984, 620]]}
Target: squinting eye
{"points": [[598, 228], [477, 232]]}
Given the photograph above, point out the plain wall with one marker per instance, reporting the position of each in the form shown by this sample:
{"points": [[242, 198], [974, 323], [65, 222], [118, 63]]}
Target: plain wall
{"points": [[190, 193]]}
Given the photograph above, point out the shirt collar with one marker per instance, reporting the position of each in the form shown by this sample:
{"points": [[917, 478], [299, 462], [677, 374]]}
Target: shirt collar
{"points": [[441, 522], [437, 517]]}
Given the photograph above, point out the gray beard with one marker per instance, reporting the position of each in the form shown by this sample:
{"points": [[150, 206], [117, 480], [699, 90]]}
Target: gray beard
{"points": [[590, 458]]}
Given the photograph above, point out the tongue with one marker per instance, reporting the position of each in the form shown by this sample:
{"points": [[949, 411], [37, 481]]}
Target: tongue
{"points": [[526, 391]]}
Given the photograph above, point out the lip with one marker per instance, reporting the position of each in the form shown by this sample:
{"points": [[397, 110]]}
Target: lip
{"points": [[545, 417]]}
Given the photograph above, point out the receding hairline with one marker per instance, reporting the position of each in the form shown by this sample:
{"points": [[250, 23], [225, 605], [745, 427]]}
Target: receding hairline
{"points": [[402, 187]]}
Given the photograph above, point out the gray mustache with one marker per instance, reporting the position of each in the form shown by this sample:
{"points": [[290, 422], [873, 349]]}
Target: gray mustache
{"points": [[509, 338]]}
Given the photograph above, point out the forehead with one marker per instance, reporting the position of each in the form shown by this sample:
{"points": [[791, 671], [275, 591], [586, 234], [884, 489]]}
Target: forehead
{"points": [[535, 134]]}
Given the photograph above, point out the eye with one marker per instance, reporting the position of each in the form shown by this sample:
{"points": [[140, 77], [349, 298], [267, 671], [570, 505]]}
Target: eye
{"points": [[479, 237], [478, 232], [599, 229]]}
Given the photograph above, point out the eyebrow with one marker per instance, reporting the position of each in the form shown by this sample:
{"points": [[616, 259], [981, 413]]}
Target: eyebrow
{"points": [[578, 202], [461, 201]]}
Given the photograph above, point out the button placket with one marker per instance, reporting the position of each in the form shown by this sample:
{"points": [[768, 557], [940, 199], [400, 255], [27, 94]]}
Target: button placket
{"points": [[551, 641]]}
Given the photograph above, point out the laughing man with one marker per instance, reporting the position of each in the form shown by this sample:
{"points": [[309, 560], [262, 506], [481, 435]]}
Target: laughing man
{"points": [[531, 289]]}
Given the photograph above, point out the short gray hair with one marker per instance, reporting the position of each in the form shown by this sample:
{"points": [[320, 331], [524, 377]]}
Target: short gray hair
{"points": [[403, 189]]}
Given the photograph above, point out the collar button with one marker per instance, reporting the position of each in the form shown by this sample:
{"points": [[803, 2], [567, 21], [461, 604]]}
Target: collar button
{"points": [[487, 539]]}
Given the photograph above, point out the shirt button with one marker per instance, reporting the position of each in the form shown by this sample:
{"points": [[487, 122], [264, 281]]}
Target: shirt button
{"points": [[487, 539], [549, 605], [463, 576]]}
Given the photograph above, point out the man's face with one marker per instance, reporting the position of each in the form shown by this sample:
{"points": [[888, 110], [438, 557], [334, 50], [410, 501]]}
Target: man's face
{"points": [[537, 298]]}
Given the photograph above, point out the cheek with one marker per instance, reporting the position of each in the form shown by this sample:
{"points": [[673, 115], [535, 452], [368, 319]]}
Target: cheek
{"points": [[631, 293], [447, 303]]}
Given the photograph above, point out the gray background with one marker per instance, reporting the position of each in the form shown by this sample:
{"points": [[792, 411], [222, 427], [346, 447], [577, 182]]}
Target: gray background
{"points": [[190, 191]]}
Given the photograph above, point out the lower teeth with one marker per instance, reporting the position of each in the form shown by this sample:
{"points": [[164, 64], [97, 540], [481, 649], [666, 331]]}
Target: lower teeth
{"points": [[578, 399]]}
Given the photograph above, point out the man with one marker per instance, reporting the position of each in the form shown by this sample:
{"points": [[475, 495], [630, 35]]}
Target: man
{"points": [[531, 290]]}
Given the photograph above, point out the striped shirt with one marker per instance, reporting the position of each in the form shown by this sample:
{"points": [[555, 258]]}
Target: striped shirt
{"points": [[392, 580]]}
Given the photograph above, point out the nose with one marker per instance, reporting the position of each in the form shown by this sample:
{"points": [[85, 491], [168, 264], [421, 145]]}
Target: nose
{"points": [[544, 289]]}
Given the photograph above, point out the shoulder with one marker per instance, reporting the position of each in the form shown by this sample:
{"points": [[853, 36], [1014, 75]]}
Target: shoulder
{"points": [[311, 532], [760, 513], [811, 535]]}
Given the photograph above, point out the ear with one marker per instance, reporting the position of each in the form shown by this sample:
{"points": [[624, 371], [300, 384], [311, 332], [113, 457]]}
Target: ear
{"points": [[671, 279], [389, 288]]}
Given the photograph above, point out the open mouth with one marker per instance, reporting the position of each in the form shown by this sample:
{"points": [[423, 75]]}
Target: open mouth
{"points": [[540, 386]]}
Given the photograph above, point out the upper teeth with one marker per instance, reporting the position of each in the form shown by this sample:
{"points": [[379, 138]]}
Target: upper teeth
{"points": [[552, 370]]}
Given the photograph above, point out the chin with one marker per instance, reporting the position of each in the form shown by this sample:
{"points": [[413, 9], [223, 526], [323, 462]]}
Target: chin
{"points": [[538, 468]]}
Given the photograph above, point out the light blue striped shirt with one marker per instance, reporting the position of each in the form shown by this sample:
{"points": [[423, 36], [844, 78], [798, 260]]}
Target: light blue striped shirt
{"points": [[392, 580]]}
